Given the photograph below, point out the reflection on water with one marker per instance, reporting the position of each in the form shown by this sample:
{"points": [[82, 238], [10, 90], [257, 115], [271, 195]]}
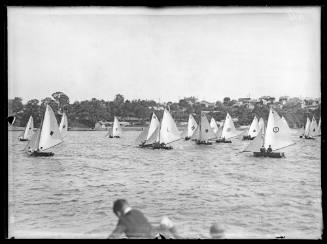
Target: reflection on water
{"points": [[70, 195]]}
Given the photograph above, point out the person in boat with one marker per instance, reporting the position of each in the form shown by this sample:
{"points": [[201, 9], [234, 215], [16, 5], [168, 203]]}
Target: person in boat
{"points": [[263, 149], [269, 149], [131, 222], [217, 231]]}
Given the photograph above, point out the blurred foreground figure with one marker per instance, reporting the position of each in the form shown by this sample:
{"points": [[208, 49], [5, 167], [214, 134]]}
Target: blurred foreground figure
{"points": [[217, 231], [167, 229], [131, 222]]}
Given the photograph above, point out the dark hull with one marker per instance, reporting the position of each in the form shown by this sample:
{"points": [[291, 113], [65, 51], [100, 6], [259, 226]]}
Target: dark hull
{"points": [[22, 139], [187, 138], [203, 143], [41, 154], [270, 155], [223, 141], [248, 138], [114, 136], [152, 146]]}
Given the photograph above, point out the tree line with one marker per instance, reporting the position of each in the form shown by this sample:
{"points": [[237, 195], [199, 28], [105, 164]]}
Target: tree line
{"points": [[86, 113]]}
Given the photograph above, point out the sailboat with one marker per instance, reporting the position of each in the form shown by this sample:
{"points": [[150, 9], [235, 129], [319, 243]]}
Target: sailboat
{"points": [[159, 135], [214, 126], [204, 132], [276, 136], [228, 131], [191, 127], [63, 127], [116, 130], [319, 127], [46, 137], [11, 119], [253, 130], [313, 130], [306, 129], [28, 132], [261, 123]]}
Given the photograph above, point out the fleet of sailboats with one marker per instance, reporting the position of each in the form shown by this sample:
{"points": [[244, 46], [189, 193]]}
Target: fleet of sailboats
{"points": [[312, 129], [46, 137], [29, 130], [266, 141]]}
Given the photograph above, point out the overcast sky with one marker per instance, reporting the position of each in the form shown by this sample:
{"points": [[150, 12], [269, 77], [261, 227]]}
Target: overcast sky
{"points": [[163, 54]]}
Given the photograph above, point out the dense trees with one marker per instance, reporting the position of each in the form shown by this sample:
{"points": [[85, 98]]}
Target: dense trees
{"points": [[86, 113]]}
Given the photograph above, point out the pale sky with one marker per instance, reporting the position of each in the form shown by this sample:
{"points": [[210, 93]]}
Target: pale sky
{"points": [[165, 54]]}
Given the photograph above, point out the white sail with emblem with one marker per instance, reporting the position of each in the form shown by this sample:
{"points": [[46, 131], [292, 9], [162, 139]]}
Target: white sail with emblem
{"points": [[313, 131], [254, 127], [191, 125], [63, 127], [168, 130], [50, 135], [277, 132], [205, 130]]}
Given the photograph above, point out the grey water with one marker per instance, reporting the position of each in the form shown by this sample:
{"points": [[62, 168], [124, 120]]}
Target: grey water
{"points": [[70, 195]]}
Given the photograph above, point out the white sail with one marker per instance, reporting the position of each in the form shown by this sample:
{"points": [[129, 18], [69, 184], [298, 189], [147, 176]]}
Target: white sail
{"points": [[196, 133], [256, 143], [142, 136], [33, 144], [29, 129], [277, 133], [229, 130], [319, 127], [205, 132], [116, 129], [50, 134], [191, 126], [254, 127], [168, 130], [307, 127], [153, 128], [63, 127], [214, 125], [261, 123], [313, 131]]}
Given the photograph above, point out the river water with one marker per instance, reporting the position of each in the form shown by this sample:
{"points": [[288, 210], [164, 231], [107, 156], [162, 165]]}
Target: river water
{"points": [[70, 195]]}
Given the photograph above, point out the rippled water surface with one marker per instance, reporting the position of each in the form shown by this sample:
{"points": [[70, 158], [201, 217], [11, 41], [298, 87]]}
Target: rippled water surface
{"points": [[70, 195]]}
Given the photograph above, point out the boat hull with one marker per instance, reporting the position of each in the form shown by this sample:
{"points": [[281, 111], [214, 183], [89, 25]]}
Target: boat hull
{"points": [[248, 138], [223, 141], [187, 138], [270, 155], [153, 146], [22, 139], [203, 143], [41, 154]]}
